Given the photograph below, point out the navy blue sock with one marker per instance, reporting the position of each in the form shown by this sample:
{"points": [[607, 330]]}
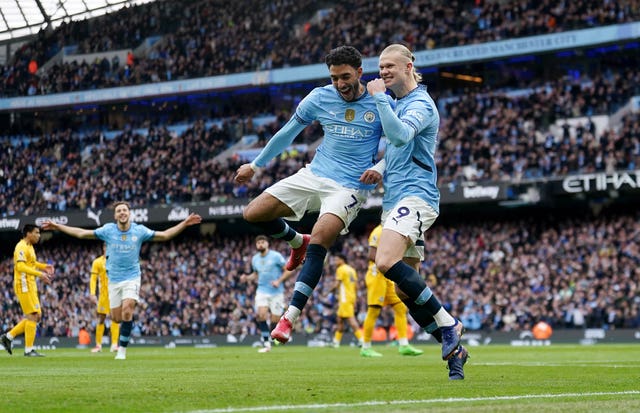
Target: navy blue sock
{"points": [[407, 280], [424, 318], [125, 333], [264, 330], [277, 228], [309, 275], [411, 283]]}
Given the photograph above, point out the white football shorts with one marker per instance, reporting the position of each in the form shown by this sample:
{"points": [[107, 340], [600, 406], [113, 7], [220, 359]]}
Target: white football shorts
{"points": [[275, 302], [123, 290], [306, 192], [411, 217]]}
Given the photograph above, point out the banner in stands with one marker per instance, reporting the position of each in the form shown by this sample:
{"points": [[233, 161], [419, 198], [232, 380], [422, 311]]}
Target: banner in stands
{"points": [[620, 181], [229, 208], [499, 193]]}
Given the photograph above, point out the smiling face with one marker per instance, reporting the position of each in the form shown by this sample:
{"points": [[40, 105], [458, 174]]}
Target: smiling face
{"points": [[346, 80], [395, 69], [122, 214]]}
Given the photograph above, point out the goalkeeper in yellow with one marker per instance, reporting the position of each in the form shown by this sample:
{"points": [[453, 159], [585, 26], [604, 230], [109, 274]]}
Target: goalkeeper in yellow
{"points": [[99, 279], [346, 283], [25, 270], [380, 292]]}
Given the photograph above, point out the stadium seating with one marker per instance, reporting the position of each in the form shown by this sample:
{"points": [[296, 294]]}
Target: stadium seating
{"points": [[213, 38]]}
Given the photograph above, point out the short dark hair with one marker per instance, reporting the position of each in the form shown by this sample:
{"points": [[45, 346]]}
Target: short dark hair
{"points": [[342, 256], [344, 55], [262, 238], [118, 203], [28, 228]]}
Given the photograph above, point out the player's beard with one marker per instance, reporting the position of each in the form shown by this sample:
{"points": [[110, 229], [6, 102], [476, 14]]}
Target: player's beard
{"points": [[352, 92]]}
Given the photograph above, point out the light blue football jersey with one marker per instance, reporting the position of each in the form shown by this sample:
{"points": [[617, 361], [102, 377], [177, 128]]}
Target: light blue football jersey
{"points": [[269, 269], [123, 249], [411, 168], [352, 132]]}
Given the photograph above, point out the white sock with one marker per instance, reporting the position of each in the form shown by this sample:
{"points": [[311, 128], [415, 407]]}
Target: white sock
{"points": [[443, 318], [366, 345], [28, 349], [403, 342], [296, 242], [292, 314], [9, 336]]}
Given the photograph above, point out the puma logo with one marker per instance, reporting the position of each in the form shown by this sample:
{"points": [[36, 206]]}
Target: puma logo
{"points": [[94, 216]]}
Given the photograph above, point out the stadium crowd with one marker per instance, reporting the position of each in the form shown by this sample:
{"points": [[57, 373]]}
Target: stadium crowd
{"points": [[483, 136], [214, 38], [497, 276]]}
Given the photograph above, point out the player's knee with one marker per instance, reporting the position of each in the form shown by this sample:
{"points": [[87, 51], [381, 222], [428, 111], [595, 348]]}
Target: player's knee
{"points": [[248, 213], [383, 264]]}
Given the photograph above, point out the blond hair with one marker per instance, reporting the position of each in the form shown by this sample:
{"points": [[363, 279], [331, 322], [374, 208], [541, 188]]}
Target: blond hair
{"points": [[404, 52]]}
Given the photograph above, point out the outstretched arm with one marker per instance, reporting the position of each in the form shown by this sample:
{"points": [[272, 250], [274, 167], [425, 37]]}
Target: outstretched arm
{"points": [[169, 233], [278, 143], [73, 231]]}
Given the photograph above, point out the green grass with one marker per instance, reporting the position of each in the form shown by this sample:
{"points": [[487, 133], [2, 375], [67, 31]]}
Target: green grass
{"points": [[559, 378]]}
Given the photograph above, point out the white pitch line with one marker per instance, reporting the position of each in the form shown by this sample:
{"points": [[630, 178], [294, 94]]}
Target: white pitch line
{"points": [[400, 402], [542, 364]]}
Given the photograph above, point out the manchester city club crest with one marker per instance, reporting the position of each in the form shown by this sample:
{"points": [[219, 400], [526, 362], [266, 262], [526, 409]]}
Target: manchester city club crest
{"points": [[123, 237], [350, 115]]}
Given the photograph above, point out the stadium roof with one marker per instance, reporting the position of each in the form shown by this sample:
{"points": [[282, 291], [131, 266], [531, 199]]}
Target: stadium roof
{"points": [[20, 18]]}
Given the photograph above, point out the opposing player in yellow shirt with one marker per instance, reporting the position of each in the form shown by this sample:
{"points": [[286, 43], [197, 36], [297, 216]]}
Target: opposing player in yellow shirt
{"points": [[25, 270], [380, 292], [100, 280], [346, 282]]}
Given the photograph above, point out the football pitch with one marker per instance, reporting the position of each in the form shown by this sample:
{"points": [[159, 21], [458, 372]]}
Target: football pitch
{"points": [[558, 378]]}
